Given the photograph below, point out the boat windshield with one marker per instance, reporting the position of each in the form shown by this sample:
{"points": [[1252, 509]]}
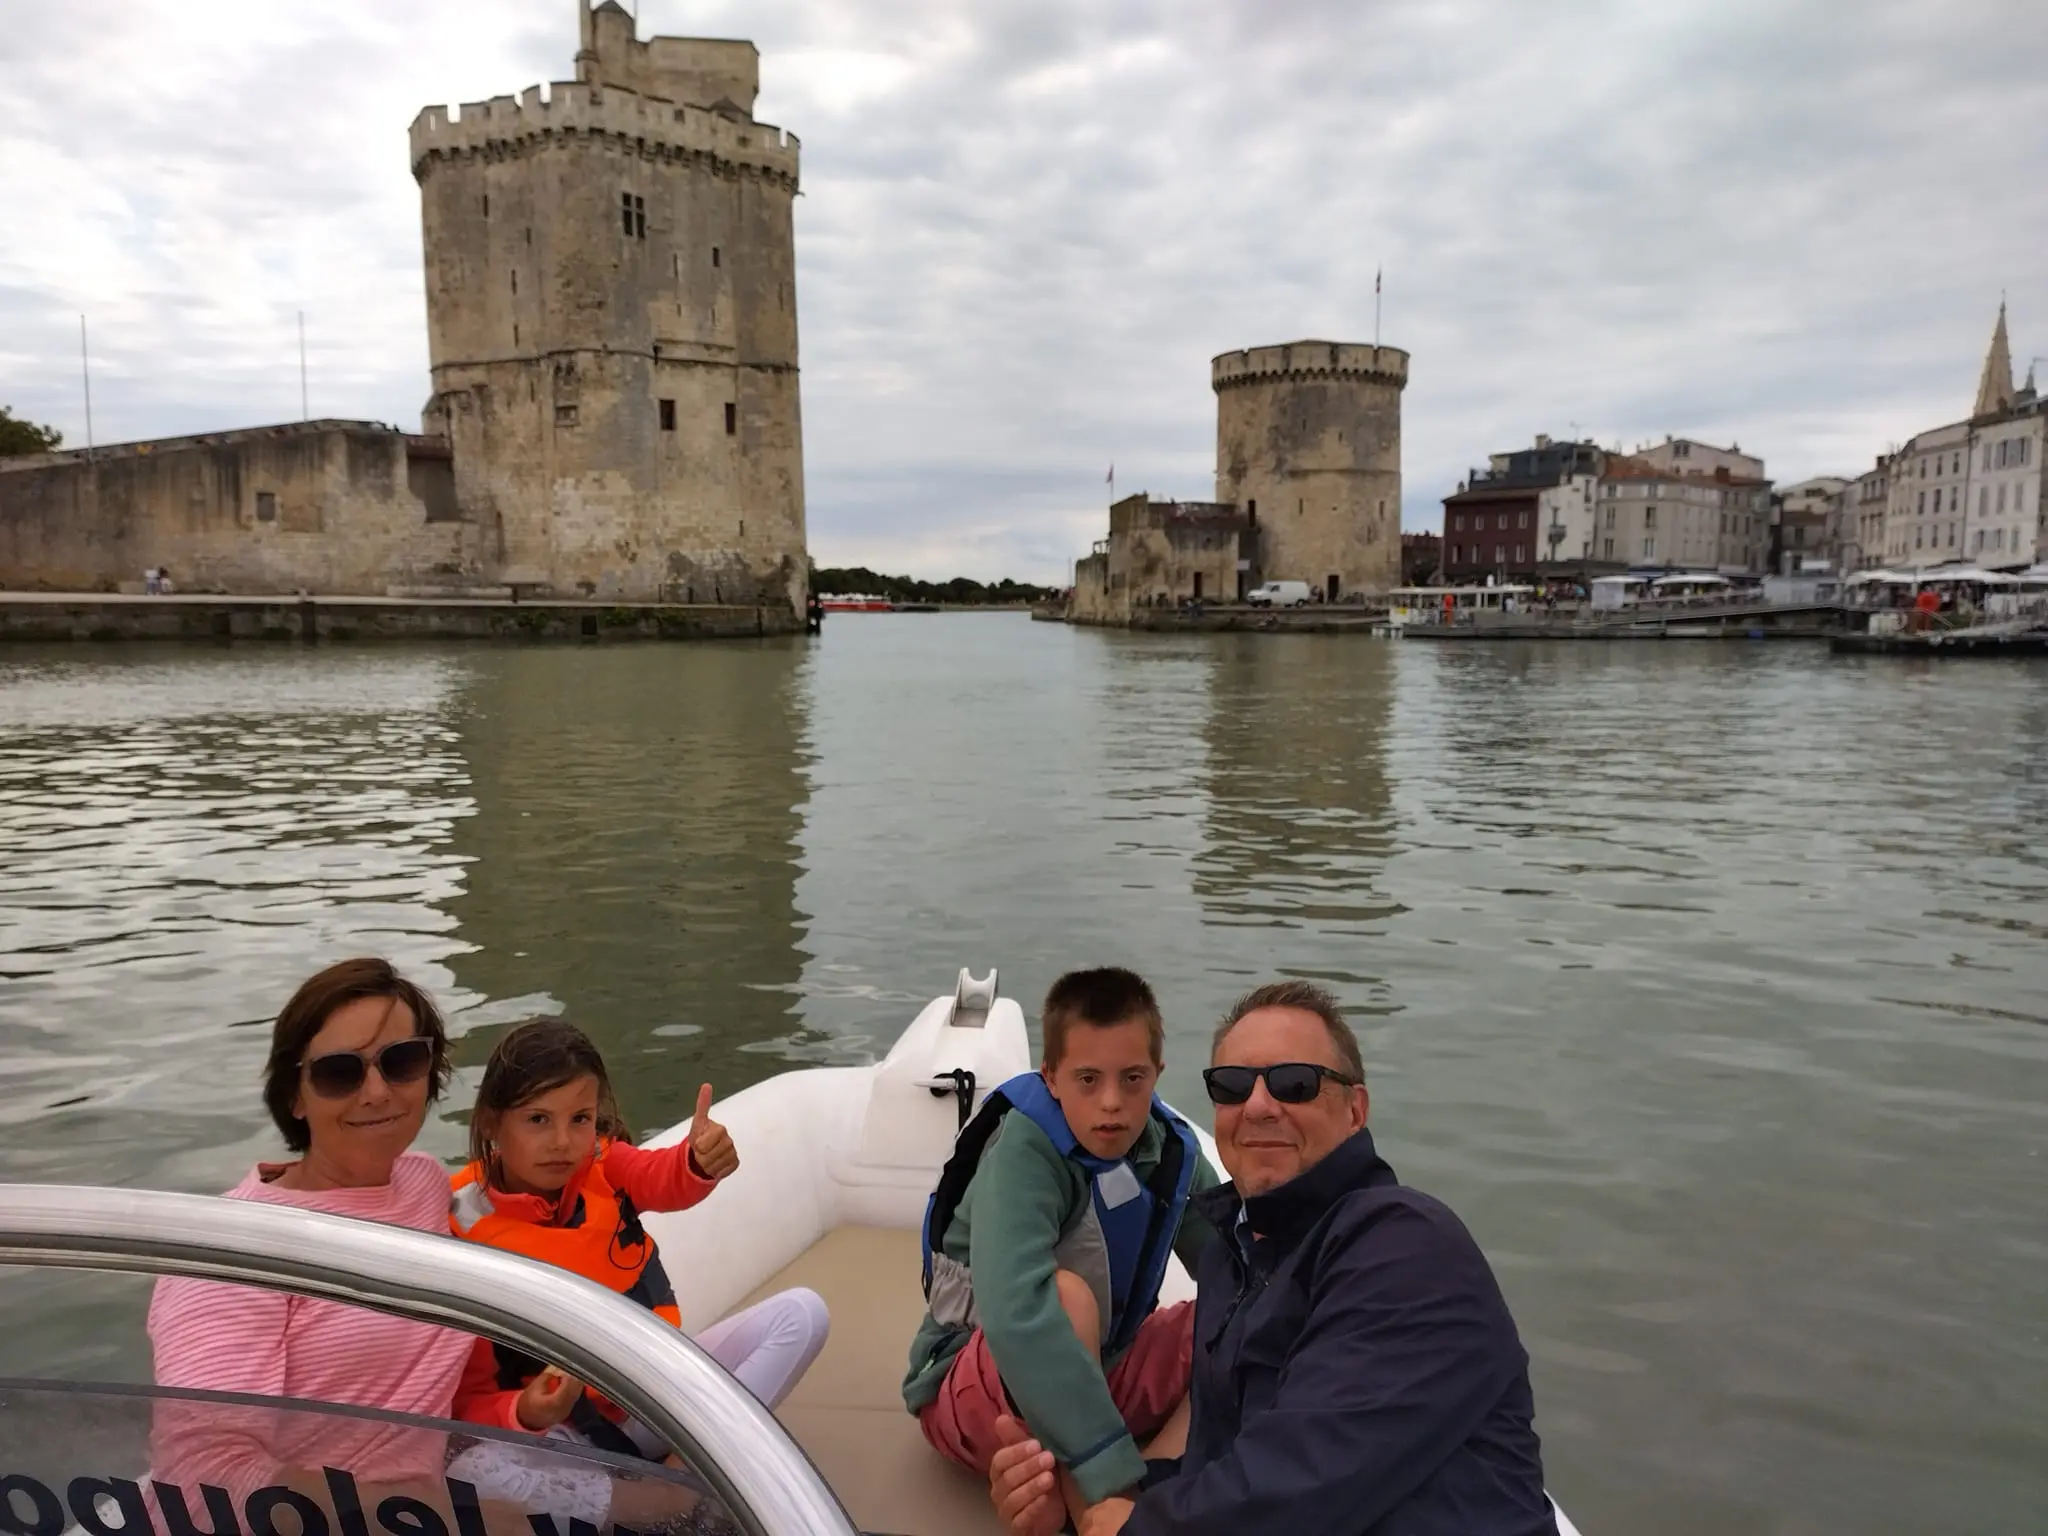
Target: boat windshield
{"points": [[114, 1460], [110, 1459]]}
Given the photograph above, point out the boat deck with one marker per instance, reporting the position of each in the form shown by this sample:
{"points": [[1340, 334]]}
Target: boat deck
{"points": [[847, 1412]]}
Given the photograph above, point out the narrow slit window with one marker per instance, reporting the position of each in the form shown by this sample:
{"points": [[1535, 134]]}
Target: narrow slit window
{"points": [[714, 255], [668, 415], [732, 418], [515, 280], [487, 205]]}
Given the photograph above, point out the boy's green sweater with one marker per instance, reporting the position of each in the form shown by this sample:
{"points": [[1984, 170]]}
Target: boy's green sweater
{"points": [[1023, 1199]]}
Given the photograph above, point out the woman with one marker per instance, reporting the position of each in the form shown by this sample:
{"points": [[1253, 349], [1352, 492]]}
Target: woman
{"points": [[355, 1058]]}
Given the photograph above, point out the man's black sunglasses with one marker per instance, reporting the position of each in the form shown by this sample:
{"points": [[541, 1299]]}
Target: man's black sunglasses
{"points": [[341, 1073], [1290, 1082]]}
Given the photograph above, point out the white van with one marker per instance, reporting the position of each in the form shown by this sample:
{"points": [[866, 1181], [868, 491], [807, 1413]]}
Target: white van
{"points": [[1279, 594]]}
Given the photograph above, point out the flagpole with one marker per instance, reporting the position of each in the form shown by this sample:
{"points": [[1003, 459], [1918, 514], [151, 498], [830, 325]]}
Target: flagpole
{"points": [[85, 372], [305, 410]]}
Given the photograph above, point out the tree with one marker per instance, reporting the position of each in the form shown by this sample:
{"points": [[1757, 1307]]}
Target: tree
{"points": [[19, 436]]}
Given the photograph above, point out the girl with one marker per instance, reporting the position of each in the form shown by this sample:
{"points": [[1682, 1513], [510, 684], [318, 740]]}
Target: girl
{"points": [[553, 1175]]}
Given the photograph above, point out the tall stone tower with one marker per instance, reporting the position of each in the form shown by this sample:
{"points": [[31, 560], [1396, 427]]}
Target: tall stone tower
{"points": [[611, 314], [1308, 442]]}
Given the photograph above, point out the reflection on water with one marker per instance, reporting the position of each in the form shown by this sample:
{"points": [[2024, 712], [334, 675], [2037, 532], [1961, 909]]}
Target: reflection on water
{"points": [[633, 856], [1706, 981], [1299, 823]]}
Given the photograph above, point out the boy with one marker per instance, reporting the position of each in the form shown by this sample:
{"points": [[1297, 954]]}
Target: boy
{"points": [[1046, 1242]]}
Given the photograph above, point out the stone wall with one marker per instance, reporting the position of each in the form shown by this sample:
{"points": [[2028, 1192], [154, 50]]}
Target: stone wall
{"points": [[326, 506], [1308, 443]]}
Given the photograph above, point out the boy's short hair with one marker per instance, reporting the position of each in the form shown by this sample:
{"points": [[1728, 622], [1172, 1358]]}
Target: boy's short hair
{"points": [[1106, 996]]}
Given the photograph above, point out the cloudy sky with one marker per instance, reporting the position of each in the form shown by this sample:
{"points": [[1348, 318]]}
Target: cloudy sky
{"points": [[1028, 224]]}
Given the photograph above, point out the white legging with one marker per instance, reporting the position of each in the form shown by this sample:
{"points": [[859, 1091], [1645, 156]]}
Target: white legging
{"points": [[767, 1348]]}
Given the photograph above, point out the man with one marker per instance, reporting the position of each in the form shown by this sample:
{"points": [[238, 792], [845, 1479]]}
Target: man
{"points": [[1356, 1372]]}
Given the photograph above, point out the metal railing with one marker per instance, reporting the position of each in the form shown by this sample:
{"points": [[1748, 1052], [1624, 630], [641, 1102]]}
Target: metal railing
{"points": [[647, 1367]]}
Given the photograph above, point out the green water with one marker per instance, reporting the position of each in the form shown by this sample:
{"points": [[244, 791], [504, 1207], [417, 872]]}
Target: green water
{"points": [[1706, 981]]}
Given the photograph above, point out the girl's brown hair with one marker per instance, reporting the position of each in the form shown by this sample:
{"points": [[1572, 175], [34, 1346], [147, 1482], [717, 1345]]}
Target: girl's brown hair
{"points": [[319, 997], [538, 1057]]}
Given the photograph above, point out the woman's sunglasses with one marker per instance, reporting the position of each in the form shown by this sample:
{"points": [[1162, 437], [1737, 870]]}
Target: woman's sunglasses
{"points": [[1290, 1082], [342, 1073]]}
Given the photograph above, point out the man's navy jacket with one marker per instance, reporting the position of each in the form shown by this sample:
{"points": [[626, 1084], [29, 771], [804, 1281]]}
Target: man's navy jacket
{"points": [[1356, 1371]]}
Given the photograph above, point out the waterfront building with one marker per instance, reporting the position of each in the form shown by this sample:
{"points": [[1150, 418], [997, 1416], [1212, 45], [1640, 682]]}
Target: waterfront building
{"points": [[1806, 525], [1161, 554], [1422, 559], [1574, 509], [1974, 490], [1861, 540], [1651, 514], [611, 315], [1530, 508]]}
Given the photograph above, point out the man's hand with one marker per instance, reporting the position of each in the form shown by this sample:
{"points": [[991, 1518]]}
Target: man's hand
{"points": [[1021, 1483], [711, 1147], [547, 1399]]}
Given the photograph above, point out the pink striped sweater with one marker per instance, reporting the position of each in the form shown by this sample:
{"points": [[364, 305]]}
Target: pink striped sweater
{"points": [[230, 1338]]}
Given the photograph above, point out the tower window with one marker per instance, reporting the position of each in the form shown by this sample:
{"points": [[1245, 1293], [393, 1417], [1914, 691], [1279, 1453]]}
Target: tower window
{"points": [[732, 418], [266, 506], [633, 216], [714, 255], [515, 281], [668, 415], [487, 205]]}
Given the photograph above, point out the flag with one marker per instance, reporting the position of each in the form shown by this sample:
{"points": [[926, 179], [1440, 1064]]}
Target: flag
{"points": [[1376, 281], [1110, 479]]}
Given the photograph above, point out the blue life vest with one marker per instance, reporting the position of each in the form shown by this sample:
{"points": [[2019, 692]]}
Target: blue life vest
{"points": [[1139, 1218]]}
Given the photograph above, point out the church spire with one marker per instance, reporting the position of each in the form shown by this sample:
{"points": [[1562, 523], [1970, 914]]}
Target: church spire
{"points": [[1994, 389]]}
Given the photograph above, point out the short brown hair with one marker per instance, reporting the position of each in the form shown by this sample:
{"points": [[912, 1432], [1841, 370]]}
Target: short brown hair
{"points": [[538, 1057], [1308, 997], [316, 1001], [1104, 997]]}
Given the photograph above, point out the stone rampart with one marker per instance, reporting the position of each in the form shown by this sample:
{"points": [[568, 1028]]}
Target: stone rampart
{"points": [[1305, 360], [646, 124], [323, 507]]}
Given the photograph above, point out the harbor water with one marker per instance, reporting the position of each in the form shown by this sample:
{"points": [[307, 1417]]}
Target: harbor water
{"points": [[1708, 982]]}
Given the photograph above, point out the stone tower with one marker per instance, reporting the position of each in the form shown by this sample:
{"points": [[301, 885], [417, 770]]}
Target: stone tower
{"points": [[1308, 442], [611, 315]]}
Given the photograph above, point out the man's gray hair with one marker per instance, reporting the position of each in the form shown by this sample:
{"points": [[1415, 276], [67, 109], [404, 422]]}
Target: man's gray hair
{"points": [[1308, 997]]}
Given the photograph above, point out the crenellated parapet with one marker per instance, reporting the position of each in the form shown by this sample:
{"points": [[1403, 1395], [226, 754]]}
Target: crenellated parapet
{"points": [[1308, 360], [570, 112]]}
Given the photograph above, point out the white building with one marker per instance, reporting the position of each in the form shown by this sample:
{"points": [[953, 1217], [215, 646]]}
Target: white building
{"points": [[1974, 490]]}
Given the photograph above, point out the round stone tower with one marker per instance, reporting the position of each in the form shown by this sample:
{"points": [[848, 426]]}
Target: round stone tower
{"points": [[1308, 443], [611, 308]]}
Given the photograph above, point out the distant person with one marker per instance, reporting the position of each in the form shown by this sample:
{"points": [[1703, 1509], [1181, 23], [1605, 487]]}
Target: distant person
{"points": [[1356, 1370], [1046, 1243], [163, 581], [553, 1176], [149, 582]]}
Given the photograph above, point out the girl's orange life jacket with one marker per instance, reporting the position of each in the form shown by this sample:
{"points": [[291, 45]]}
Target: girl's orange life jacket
{"points": [[597, 1235]]}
